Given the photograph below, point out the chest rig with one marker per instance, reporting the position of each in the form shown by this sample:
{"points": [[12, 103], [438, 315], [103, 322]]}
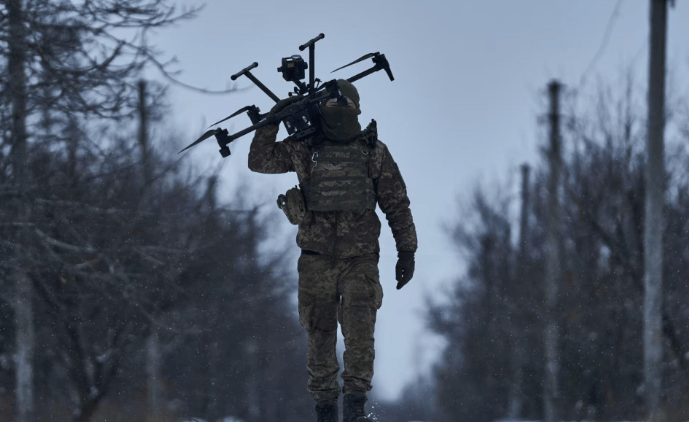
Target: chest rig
{"points": [[339, 177]]}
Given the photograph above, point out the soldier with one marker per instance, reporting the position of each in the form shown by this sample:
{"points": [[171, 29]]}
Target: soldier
{"points": [[342, 174]]}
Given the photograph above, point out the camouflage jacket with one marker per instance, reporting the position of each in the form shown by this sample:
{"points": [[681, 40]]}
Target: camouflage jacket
{"points": [[342, 234]]}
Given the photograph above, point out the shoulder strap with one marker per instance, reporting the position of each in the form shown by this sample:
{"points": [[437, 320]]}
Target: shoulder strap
{"points": [[370, 134]]}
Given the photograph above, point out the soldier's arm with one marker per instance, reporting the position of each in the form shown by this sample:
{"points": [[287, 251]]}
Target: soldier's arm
{"points": [[268, 156], [391, 194]]}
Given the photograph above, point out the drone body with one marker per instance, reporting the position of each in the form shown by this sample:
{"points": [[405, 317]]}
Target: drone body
{"points": [[302, 117]]}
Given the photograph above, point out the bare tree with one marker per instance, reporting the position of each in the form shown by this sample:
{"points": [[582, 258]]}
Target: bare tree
{"points": [[17, 93], [62, 56], [476, 363], [602, 250]]}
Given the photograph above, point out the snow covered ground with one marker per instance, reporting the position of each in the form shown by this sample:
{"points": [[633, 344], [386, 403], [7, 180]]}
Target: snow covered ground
{"points": [[520, 420]]}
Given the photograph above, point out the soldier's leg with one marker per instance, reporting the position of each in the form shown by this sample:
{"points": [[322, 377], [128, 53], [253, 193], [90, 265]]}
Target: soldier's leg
{"points": [[318, 303], [362, 296]]}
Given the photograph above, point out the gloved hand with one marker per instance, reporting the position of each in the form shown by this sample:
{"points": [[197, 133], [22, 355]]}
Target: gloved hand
{"points": [[283, 103], [404, 270]]}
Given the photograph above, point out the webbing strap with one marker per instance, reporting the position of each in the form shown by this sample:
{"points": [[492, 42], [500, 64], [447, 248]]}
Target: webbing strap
{"points": [[357, 180]]}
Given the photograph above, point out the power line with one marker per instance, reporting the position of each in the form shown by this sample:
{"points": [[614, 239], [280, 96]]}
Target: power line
{"points": [[604, 42]]}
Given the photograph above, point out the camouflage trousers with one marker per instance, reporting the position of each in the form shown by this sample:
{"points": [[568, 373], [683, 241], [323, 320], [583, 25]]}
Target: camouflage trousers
{"points": [[346, 290]]}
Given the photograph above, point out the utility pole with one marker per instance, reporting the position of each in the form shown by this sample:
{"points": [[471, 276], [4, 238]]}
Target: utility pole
{"points": [[552, 266], [654, 221], [516, 395]]}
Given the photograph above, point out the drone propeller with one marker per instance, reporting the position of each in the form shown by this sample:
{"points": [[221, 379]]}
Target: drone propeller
{"points": [[203, 137], [240, 111], [367, 56]]}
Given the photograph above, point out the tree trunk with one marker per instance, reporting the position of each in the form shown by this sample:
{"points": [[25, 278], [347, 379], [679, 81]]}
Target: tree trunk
{"points": [[22, 283], [143, 133], [72, 148], [154, 358], [154, 352], [552, 265], [655, 200], [146, 194], [23, 311], [253, 399], [214, 410], [518, 358]]}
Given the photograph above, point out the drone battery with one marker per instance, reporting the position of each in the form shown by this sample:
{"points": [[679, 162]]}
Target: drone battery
{"points": [[290, 124], [298, 122], [303, 134]]}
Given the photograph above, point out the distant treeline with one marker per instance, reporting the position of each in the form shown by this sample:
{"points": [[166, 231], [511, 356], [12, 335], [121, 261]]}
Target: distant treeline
{"points": [[493, 321], [128, 292]]}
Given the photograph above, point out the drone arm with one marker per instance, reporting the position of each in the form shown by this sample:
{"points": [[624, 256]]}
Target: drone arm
{"points": [[243, 71], [312, 62], [224, 139], [262, 123], [312, 42], [380, 64], [274, 119], [312, 68], [247, 72], [263, 87], [363, 74]]}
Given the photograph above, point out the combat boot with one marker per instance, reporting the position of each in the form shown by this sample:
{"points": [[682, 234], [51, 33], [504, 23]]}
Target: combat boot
{"points": [[327, 412], [353, 405]]}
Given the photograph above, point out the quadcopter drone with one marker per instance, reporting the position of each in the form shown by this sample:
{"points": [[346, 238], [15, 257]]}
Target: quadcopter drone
{"points": [[301, 118]]}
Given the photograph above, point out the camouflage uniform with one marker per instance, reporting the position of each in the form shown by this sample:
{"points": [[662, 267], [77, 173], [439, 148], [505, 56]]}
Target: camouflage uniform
{"points": [[338, 268]]}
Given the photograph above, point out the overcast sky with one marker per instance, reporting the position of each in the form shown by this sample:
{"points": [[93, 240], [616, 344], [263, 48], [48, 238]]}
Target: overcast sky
{"points": [[469, 86]]}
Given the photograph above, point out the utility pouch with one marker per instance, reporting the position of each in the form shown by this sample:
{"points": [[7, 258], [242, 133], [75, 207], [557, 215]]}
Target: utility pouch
{"points": [[293, 205]]}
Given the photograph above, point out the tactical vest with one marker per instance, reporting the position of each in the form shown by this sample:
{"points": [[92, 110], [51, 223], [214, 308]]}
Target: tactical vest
{"points": [[339, 178]]}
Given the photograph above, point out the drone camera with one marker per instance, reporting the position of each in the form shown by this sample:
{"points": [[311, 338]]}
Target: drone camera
{"points": [[293, 68]]}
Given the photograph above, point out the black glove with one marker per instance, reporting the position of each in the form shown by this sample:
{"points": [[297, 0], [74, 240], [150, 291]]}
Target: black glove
{"points": [[283, 103], [404, 270]]}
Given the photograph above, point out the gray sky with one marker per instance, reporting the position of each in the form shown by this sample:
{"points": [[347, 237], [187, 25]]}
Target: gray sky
{"points": [[469, 83]]}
